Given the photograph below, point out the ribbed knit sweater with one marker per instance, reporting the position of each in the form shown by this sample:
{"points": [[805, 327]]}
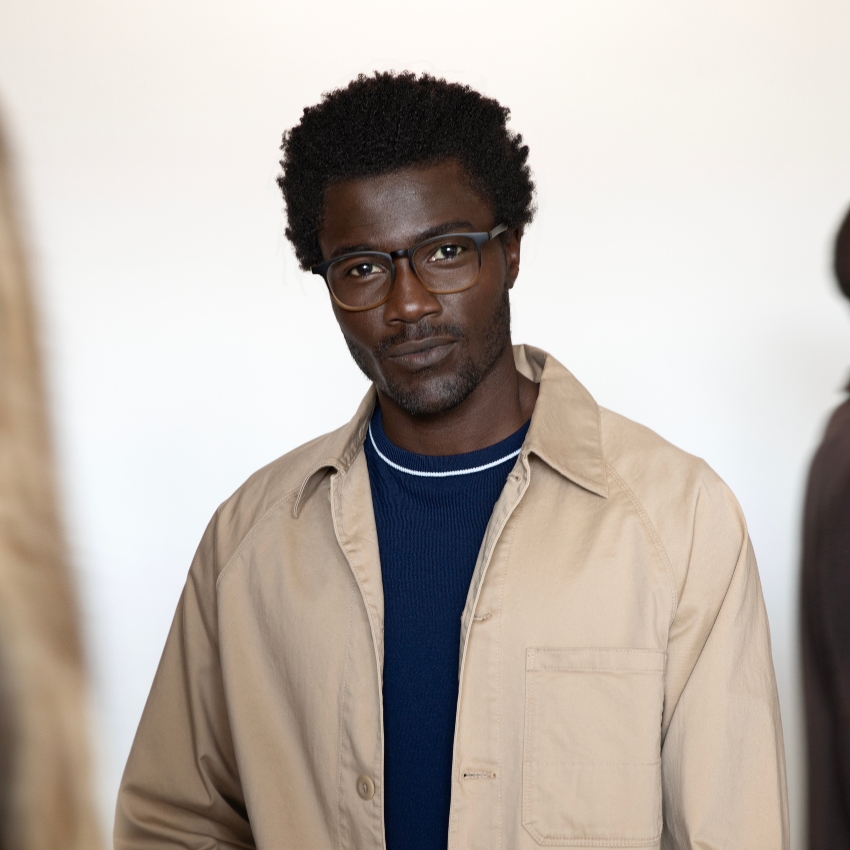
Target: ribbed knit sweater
{"points": [[431, 513]]}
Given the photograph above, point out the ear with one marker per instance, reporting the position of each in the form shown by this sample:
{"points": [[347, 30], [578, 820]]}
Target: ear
{"points": [[511, 240]]}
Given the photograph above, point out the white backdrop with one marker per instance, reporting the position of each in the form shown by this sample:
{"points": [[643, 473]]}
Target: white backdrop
{"points": [[692, 159]]}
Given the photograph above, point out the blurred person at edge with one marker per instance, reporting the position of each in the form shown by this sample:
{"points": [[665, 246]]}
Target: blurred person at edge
{"points": [[485, 613], [45, 791], [825, 614]]}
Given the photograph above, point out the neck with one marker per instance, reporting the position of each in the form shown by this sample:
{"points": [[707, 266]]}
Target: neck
{"points": [[500, 405]]}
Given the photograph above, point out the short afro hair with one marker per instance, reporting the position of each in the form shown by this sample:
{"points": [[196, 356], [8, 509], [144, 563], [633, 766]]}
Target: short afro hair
{"points": [[389, 121], [841, 259]]}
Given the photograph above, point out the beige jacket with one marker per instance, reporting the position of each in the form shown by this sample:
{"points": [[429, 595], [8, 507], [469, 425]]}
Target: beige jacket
{"points": [[616, 683]]}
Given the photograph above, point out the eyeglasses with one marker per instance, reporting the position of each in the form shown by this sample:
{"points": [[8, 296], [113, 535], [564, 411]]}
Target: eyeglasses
{"points": [[363, 280]]}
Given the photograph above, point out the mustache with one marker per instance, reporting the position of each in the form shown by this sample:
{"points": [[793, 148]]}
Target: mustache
{"points": [[414, 333]]}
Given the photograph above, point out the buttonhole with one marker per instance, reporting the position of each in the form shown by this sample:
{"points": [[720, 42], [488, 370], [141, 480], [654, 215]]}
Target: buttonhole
{"points": [[480, 617], [479, 774]]}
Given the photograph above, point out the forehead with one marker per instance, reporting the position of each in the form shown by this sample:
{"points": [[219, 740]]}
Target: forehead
{"points": [[391, 210]]}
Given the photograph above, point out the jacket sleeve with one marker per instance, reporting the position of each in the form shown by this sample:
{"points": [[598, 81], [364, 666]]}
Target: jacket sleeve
{"points": [[181, 785], [723, 758]]}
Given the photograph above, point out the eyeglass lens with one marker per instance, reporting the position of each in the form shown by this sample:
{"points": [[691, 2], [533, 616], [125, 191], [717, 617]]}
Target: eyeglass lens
{"points": [[444, 264]]}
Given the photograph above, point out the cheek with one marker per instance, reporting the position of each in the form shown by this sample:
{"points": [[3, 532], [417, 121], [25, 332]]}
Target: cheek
{"points": [[361, 328], [484, 305]]}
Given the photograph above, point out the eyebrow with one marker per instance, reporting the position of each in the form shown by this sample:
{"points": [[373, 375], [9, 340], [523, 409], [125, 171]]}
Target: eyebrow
{"points": [[438, 230]]}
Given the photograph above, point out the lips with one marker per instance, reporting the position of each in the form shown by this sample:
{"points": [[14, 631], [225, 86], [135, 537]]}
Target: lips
{"points": [[419, 353]]}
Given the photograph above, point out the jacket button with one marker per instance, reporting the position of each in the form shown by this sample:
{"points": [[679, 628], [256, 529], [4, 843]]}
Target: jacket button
{"points": [[365, 787]]}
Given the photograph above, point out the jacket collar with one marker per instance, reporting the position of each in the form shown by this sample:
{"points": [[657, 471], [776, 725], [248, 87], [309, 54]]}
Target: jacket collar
{"points": [[565, 427]]}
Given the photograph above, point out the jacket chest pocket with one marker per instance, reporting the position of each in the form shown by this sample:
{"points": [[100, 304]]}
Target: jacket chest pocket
{"points": [[592, 754]]}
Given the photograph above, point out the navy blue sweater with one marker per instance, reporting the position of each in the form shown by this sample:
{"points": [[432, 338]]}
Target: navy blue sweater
{"points": [[431, 513]]}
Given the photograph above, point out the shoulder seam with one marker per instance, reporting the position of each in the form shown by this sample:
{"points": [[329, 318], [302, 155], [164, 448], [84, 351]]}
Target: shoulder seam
{"points": [[248, 534], [674, 596]]}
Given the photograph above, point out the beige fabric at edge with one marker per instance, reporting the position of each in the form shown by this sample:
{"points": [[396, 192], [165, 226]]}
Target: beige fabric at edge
{"points": [[46, 788]]}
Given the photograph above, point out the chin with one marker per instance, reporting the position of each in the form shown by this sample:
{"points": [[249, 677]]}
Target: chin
{"points": [[433, 395]]}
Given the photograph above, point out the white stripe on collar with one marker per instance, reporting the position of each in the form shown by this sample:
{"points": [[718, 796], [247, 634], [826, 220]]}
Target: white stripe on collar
{"points": [[400, 468]]}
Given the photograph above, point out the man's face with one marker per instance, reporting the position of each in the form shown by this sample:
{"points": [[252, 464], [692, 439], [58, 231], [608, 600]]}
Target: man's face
{"points": [[425, 352]]}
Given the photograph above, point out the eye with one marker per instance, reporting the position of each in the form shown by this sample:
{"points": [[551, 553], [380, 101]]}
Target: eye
{"points": [[364, 269], [446, 253]]}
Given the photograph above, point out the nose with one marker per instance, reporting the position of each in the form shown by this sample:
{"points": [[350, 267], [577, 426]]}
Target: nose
{"points": [[409, 301]]}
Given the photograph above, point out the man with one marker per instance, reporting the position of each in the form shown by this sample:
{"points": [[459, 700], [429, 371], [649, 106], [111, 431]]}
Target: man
{"points": [[825, 627], [485, 613]]}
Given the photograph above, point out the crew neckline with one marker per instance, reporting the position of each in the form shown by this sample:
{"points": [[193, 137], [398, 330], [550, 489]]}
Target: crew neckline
{"points": [[443, 466]]}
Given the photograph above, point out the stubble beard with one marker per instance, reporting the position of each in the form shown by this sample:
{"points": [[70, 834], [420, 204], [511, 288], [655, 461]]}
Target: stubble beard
{"points": [[442, 392]]}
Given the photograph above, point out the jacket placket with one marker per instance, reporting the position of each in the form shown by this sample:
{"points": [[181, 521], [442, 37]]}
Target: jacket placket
{"points": [[476, 806], [361, 740]]}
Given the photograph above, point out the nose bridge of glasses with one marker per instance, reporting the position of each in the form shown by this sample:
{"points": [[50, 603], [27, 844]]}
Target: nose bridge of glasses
{"points": [[403, 254], [409, 294]]}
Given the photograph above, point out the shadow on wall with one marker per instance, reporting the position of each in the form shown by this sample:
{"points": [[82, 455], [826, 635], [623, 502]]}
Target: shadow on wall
{"points": [[45, 790]]}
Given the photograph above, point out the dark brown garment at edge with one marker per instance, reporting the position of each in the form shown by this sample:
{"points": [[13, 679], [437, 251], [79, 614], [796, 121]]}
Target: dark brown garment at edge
{"points": [[826, 636]]}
